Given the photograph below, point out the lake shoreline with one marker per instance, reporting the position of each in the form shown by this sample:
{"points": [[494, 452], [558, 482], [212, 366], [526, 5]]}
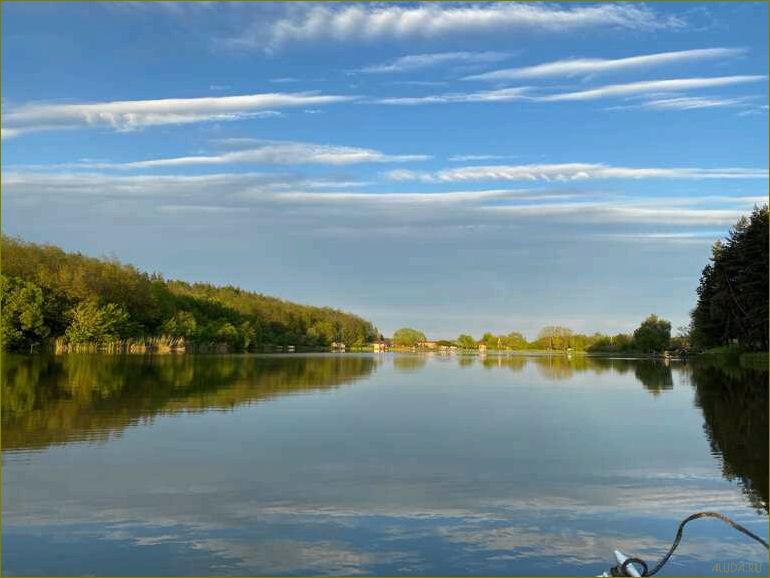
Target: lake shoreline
{"points": [[750, 358]]}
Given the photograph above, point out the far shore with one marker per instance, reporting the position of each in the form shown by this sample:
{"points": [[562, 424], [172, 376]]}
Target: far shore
{"points": [[757, 360]]}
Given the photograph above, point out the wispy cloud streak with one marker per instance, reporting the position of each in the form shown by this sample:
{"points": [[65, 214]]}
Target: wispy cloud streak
{"points": [[585, 66], [233, 193], [501, 95], [572, 172], [413, 62], [129, 115], [347, 23], [538, 94], [649, 86], [270, 153]]}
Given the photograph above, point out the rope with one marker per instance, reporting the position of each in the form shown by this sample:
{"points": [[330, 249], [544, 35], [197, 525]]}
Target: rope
{"points": [[622, 569]]}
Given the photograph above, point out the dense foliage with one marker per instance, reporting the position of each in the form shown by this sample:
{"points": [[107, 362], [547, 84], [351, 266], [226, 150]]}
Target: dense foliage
{"points": [[48, 293], [513, 340], [466, 342], [408, 337], [732, 305], [652, 336]]}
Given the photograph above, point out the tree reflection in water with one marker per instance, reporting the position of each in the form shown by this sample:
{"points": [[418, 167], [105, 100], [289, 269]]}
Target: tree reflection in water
{"points": [[58, 399], [51, 400], [734, 401]]}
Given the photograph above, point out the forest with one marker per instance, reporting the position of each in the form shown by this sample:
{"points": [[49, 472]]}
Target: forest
{"points": [[48, 294], [732, 306]]}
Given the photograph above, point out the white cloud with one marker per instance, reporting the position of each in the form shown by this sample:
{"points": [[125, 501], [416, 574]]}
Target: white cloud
{"points": [[571, 172], [501, 95], [446, 197], [415, 83], [584, 66], [619, 213], [206, 209], [650, 86], [466, 158], [9, 133], [687, 237], [281, 197], [273, 152], [134, 114], [343, 23], [420, 61], [100, 184], [215, 186], [691, 102]]}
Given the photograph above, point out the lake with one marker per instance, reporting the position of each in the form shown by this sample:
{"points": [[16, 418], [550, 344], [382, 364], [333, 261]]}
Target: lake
{"points": [[377, 464]]}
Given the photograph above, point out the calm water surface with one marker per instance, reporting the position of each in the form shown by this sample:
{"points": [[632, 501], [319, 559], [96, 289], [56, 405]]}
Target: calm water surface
{"points": [[376, 464]]}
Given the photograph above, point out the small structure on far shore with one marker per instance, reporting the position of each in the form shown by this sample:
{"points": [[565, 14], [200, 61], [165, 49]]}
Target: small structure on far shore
{"points": [[338, 346]]}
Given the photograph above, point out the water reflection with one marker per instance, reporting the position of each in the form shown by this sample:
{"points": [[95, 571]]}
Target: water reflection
{"points": [[57, 399], [407, 362], [734, 402], [654, 374], [499, 465]]}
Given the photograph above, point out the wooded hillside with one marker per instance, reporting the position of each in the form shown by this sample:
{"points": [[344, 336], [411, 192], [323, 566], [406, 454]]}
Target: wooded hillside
{"points": [[48, 293]]}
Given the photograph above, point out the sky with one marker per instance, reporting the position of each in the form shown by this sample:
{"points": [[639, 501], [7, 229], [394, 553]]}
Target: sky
{"points": [[453, 167]]}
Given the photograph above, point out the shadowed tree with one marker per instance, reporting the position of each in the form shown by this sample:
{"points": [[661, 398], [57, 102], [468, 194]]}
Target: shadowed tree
{"points": [[732, 302], [653, 335], [21, 304]]}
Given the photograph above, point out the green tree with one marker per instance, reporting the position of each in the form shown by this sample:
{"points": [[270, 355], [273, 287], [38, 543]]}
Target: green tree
{"points": [[491, 341], [22, 307], [248, 335], [514, 340], [408, 337], [322, 333], [156, 306], [181, 326], [653, 335], [732, 304], [554, 337], [466, 342], [94, 323], [227, 333]]}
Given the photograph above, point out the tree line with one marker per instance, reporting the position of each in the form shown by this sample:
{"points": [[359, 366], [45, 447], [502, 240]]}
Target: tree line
{"points": [[652, 336], [732, 305], [731, 309], [47, 293]]}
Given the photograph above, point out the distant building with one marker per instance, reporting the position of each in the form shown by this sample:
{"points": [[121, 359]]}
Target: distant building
{"points": [[482, 348]]}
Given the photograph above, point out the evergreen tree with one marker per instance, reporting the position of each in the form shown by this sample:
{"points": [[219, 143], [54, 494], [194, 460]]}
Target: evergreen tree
{"points": [[732, 304]]}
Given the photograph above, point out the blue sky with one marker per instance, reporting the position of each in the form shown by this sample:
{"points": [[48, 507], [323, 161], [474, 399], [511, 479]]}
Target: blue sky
{"points": [[454, 167]]}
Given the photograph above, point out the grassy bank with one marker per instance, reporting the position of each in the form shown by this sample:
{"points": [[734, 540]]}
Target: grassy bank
{"points": [[735, 355]]}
